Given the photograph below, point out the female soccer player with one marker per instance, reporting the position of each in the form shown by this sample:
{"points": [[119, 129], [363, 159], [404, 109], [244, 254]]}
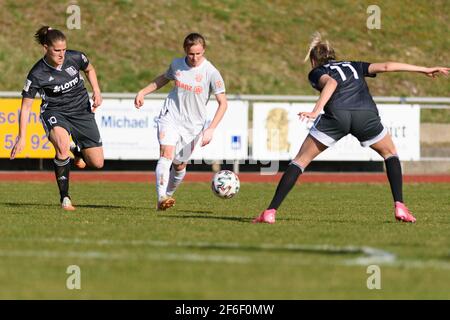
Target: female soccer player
{"points": [[348, 108], [182, 120], [65, 108]]}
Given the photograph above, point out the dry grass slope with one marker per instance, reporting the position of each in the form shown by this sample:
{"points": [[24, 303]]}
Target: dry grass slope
{"points": [[258, 45]]}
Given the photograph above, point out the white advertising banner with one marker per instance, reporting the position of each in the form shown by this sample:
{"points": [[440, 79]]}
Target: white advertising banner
{"points": [[230, 140], [131, 134], [278, 133], [128, 133]]}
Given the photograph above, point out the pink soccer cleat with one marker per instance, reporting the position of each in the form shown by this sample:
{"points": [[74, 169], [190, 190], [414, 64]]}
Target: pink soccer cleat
{"points": [[268, 216], [402, 213]]}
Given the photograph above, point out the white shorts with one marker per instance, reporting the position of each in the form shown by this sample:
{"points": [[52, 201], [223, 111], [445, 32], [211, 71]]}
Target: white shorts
{"points": [[170, 134]]}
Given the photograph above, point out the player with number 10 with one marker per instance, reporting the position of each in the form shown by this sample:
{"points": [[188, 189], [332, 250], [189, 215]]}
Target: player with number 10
{"points": [[65, 109]]}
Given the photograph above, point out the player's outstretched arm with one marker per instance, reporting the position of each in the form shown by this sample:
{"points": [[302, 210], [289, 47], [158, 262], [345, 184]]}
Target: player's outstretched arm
{"points": [[398, 66], [23, 121], [96, 94], [159, 82]]}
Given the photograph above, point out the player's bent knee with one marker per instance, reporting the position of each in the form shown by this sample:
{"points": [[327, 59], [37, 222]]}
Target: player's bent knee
{"points": [[95, 163], [167, 156], [180, 166], [167, 152], [98, 164]]}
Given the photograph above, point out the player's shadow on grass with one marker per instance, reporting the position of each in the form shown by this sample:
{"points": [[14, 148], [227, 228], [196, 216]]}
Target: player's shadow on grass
{"points": [[53, 205], [100, 206], [190, 214], [22, 204], [194, 211]]}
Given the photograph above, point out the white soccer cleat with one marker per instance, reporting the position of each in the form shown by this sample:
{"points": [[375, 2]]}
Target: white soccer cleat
{"points": [[66, 204]]}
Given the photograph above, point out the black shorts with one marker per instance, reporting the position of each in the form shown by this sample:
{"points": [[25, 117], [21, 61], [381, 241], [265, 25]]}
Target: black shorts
{"points": [[365, 125], [81, 126]]}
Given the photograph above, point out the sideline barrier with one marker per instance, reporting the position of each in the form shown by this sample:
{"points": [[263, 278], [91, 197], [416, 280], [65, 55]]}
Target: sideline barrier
{"points": [[131, 134], [128, 133], [278, 133], [37, 144]]}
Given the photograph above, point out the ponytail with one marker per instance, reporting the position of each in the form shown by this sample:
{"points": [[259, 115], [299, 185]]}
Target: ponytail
{"points": [[320, 51], [47, 36]]}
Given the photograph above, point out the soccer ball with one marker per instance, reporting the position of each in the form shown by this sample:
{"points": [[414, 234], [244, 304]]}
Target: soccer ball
{"points": [[225, 184]]}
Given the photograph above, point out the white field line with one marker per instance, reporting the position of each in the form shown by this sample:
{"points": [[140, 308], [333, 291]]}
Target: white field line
{"points": [[190, 257], [369, 255]]}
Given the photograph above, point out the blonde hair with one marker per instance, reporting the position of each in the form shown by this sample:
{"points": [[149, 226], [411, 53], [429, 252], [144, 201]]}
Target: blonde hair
{"points": [[320, 51]]}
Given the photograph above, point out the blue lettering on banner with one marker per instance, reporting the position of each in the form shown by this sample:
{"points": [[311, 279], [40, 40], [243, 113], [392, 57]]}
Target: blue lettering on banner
{"points": [[155, 122], [124, 122], [235, 142], [13, 117]]}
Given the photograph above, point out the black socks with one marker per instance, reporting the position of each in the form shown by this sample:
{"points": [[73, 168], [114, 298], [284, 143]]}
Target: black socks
{"points": [[285, 185], [62, 169], [77, 152], [394, 174]]}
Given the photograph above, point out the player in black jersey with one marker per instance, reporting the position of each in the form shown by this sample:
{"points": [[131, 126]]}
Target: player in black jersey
{"points": [[348, 108], [65, 109]]}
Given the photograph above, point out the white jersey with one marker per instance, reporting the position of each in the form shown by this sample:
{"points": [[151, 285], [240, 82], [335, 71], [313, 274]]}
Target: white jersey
{"points": [[185, 105]]}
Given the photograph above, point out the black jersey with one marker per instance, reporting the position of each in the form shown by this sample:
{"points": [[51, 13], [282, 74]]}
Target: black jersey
{"points": [[61, 89], [352, 92]]}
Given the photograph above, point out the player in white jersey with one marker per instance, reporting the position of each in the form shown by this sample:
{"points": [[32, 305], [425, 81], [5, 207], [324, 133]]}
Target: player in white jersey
{"points": [[182, 120]]}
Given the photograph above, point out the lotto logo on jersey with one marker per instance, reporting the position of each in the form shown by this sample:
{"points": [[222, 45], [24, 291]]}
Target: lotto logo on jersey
{"points": [[72, 71], [84, 58], [65, 86]]}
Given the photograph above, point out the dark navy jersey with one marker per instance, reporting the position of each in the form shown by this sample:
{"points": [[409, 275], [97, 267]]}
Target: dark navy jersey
{"points": [[61, 89], [351, 92]]}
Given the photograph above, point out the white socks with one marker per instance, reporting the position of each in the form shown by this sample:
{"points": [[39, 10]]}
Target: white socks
{"points": [[162, 176], [175, 179], [167, 180]]}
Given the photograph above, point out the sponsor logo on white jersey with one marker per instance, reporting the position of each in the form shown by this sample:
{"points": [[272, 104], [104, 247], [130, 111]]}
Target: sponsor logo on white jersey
{"points": [[71, 70]]}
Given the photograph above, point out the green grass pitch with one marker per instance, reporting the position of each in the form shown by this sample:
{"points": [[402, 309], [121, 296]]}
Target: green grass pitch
{"points": [[325, 237]]}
